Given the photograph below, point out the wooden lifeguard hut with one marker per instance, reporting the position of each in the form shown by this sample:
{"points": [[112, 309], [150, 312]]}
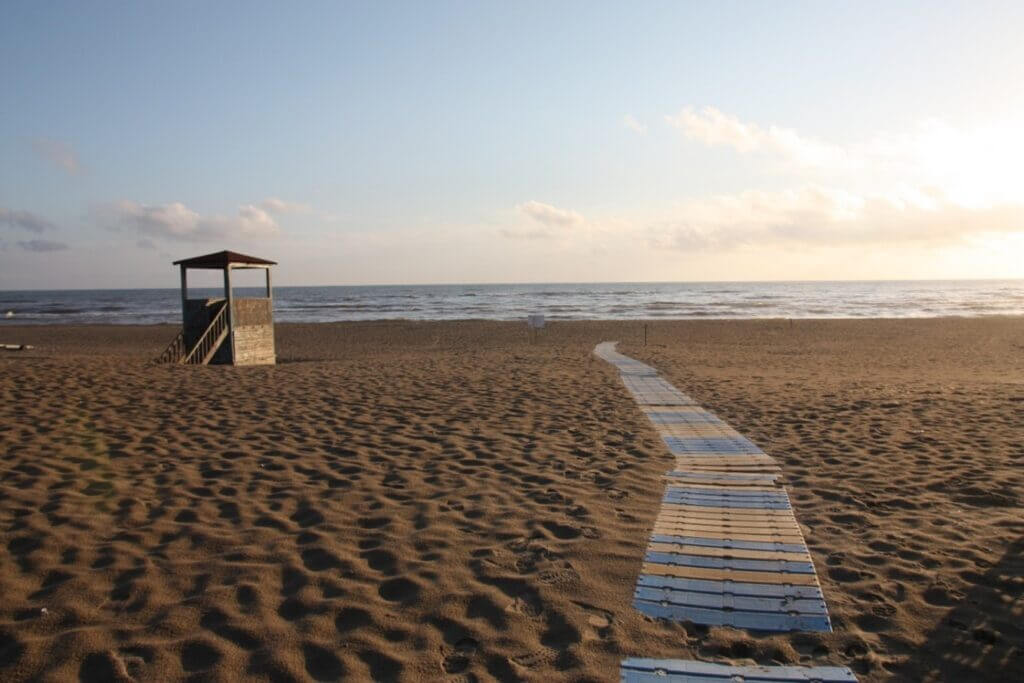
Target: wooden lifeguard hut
{"points": [[224, 330]]}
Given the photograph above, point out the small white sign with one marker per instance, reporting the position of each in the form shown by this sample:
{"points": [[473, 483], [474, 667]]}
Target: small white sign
{"points": [[536, 320]]}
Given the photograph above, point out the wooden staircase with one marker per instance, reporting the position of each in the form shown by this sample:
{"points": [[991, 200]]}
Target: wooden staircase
{"points": [[205, 349]]}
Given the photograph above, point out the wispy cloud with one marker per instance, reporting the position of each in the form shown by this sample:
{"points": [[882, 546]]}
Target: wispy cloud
{"points": [[818, 217], [546, 222], [279, 206], [24, 220], [631, 122], [60, 154], [175, 221], [930, 185], [42, 245], [551, 216], [715, 128], [510, 233]]}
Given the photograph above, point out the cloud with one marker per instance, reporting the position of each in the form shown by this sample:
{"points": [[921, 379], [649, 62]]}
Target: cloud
{"points": [[525, 234], [630, 121], [279, 206], [551, 216], [974, 167], [25, 220], [818, 217], [714, 128], [42, 245], [176, 221], [60, 154]]}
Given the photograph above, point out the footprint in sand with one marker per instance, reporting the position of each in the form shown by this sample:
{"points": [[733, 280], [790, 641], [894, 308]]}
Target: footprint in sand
{"points": [[459, 660], [562, 531], [352, 618], [599, 623], [400, 590], [382, 561], [198, 655], [318, 560], [321, 663]]}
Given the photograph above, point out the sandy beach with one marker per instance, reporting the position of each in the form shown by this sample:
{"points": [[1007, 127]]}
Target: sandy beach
{"points": [[447, 501]]}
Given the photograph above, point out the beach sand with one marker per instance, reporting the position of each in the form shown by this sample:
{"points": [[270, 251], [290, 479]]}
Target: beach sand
{"points": [[447, 501]]}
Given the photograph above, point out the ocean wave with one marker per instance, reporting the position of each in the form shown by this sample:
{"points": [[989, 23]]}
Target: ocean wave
{"points": [[570, 302]]}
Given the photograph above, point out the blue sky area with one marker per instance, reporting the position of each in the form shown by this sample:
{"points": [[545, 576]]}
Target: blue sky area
{"points": [[388, 142]]}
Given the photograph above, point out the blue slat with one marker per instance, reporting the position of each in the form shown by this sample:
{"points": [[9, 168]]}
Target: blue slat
{"points": [[761, 590], [724, 543], [704, 443], [725, 440], [757, 621], [738, 477], [760, 459], [644, 670], [669, 417], [662, 400], [745, 603], [722, 503], [677, 490], [768, 566], [725, 492], [719, 449]]}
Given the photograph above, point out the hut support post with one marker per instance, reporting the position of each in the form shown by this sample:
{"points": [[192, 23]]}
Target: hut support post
{"points": [[184, 298], [229, 301]]}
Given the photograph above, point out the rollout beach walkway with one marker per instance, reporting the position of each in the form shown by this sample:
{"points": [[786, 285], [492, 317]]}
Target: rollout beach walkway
{"points": [[726, 549]]}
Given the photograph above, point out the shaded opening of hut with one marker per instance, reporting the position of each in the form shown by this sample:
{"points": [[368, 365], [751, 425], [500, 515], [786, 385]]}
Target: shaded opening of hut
{"points": [[224, 330]]}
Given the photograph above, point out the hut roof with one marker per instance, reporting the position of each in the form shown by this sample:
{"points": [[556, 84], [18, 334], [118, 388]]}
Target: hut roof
{"points": [[222, 259]]}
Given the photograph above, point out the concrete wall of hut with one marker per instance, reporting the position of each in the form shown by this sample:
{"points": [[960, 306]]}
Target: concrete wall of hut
{"points": [[253, 337]]}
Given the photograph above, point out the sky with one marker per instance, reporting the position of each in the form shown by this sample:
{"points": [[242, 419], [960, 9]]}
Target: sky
{"points": [[469, 142]]}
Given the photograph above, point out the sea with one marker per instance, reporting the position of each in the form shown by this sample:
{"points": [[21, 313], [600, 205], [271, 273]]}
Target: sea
{"points": [[590, 301]]}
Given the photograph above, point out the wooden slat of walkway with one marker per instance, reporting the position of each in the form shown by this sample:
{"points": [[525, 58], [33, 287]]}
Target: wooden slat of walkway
{"points": [[643, 670], [755, 621], [728, 490], [705, 478], [724, 601], [717, 485], [767, 590], [701, 430], [716, 445], [725, 513], [691, 414], [733, 504], [725, 548], [698, 532], [727, 543], [737, 460], [778, 526], [678, 559], [690, 549], [728, 574]]}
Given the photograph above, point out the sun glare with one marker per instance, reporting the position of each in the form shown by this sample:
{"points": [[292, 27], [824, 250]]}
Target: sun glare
{"points": [[976, 168]]}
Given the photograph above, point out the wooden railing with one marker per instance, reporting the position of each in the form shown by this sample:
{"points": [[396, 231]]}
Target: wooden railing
{"points": [[207, 346], [175, 351]]}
